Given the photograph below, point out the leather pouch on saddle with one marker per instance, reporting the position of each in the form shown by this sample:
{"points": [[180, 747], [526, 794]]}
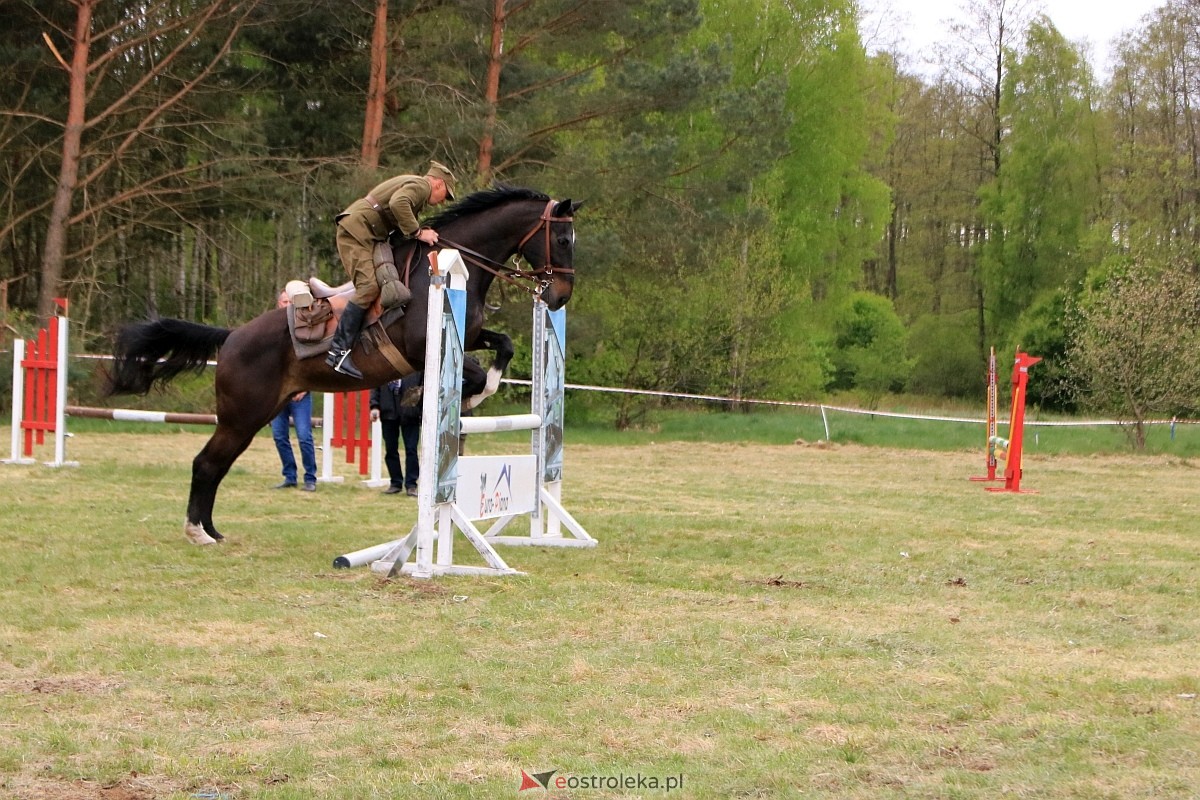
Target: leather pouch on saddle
{"points": [[392, 292], [310, 322]]}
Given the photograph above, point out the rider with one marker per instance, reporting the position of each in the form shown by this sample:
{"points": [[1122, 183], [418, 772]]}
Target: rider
{"points": [[392, 205]]}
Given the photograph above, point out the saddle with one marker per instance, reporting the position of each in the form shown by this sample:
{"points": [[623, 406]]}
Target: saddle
{"points": [[316, 307]]}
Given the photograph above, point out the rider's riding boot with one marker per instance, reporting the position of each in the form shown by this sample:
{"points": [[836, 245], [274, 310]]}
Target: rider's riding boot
{"points": [[343, 340]]}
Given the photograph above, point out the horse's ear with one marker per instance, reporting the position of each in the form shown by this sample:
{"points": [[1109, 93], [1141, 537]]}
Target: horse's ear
{"points": [[566, 208]]}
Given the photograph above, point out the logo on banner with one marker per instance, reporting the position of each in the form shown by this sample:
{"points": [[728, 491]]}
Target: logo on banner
{"points": [[497, 498]]}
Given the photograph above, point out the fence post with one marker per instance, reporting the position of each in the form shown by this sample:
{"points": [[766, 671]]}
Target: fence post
{"points": [[18, 403]]}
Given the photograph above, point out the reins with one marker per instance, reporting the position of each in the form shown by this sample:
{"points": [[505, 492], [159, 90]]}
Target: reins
{"points": [[542, 275]]}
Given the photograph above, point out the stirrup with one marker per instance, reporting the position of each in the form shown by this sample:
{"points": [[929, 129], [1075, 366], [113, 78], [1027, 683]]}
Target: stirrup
{"points": [[343, 364]]}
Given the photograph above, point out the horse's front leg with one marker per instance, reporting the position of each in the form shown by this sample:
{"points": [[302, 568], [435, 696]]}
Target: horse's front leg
{"points": [[475, 391]]}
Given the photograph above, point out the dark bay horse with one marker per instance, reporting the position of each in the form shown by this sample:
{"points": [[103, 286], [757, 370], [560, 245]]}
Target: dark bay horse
{"points": [[258, 370]]}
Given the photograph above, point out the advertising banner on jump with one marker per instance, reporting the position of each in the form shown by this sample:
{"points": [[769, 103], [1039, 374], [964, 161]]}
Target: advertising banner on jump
{"points": [[496, 486], [450, 396], [552, 403]]}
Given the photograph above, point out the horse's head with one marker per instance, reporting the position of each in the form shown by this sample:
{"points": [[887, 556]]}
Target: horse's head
{"points": [[550, 250], [490, 226]]}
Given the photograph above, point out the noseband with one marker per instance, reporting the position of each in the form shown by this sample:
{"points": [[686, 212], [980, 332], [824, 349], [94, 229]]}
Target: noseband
{"points": [[542, 276]]}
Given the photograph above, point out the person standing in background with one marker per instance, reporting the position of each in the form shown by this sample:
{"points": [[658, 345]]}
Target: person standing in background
{"points": [[299, 410], [398, 421]]}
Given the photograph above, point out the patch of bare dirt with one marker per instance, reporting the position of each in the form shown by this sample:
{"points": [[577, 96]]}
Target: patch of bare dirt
{"points": [[413, 589], [59, 684], [130, 787], [778, 581], [819, 444]]}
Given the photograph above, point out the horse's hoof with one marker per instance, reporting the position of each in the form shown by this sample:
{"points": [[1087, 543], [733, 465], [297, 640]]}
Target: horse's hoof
{"points": [[196, 534], [490, 388]]}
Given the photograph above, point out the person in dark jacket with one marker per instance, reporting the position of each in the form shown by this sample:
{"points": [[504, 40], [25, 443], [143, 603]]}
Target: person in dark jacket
{"points": [[398, 421]]}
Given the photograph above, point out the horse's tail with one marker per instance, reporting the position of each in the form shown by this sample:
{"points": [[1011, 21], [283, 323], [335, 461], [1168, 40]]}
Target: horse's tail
{"points": [[146, 353]]}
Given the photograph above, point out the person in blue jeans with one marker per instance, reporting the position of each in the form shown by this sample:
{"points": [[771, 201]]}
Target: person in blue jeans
{"points": [[397, 421], [299, 409]]}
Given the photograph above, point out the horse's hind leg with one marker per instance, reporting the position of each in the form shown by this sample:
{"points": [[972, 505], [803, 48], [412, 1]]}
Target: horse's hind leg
{"points": [[209, 468]]}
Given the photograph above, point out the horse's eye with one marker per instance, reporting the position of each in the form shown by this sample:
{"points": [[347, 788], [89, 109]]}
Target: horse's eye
{"points": [[564, 240]]}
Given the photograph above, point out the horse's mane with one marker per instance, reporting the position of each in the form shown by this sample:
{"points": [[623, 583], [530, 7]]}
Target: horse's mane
{"points": [[482, 201]]}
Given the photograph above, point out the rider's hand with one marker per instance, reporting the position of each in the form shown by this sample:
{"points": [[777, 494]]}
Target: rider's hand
{"points": [[374, 414], [428, 236]]}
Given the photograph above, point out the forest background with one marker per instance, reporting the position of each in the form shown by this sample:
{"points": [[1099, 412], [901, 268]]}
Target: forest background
{"points": [[772, 210]]}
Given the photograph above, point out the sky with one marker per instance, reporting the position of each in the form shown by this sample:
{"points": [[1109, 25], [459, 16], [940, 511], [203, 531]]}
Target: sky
{"points": [[921, 23]]}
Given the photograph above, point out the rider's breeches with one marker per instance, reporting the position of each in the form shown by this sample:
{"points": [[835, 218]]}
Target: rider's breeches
{"points": [[360, 266]]}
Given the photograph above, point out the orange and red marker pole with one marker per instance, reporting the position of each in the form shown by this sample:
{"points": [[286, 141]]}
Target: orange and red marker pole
{"points": [[1016, 425]]}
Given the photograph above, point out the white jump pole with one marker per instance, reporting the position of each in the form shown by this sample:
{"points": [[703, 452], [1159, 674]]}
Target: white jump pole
{"points": [[18, 403], [515, 422], [446, 275], [360, 558], [60, 390], [136, 415], [327, 475], [326, 437], [376, 479]]}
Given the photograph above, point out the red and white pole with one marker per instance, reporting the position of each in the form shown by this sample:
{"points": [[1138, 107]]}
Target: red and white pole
{"points": [[990, 438]]}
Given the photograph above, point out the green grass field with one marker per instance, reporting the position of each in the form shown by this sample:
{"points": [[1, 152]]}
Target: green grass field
{"points": [[760, 619]]}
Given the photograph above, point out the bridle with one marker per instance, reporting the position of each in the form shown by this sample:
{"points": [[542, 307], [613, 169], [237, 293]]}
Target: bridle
{"points": [[543, 224], [542, 276]]}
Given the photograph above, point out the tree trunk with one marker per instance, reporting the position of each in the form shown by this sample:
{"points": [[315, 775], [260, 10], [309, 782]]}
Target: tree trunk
{"points": [[981, 320], [893, 233], [182, 304], [54, 254], [491, 95], [377, 89]]}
